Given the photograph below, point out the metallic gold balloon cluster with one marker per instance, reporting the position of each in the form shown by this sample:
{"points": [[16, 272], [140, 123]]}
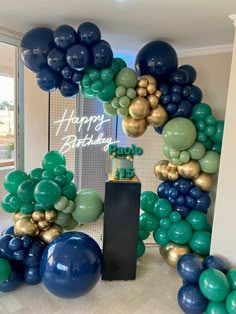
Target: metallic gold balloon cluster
{"points": [[165, 170], [144, 109]]}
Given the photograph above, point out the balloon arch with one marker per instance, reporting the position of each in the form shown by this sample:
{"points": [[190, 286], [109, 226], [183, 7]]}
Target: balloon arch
{"points": [[158, 94]]}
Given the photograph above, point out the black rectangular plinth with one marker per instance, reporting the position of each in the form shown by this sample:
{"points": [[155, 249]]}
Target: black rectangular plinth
{"points": [[121, 221]]}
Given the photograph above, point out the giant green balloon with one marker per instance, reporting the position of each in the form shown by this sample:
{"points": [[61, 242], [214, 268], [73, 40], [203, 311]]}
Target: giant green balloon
{"points": [[88, 206], [210, 162], [13, 179], [25, 191], [47, 192], [214, 285], [127, 78], [180, 232], [216, 308], [179, 133], [197, 220], [231, 302], [148, 222], [231, 275], [201, 111], [200, 242], [53, 159], [147, 201], [162, 208]]}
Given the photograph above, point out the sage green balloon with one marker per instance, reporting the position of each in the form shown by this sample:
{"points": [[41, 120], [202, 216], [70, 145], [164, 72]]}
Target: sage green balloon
{"points": [[109, 110], [62, 219], [184, 156], [124, 101], [120, 91], [148, 222], [201, 242], [180, 232], [231, 275], [88, 206], [201, 111], [179, 133], [127, 78], [214, 285], [123, 111], [71, 224], [147, 201], [197, 220], [231, 302], [197, 151], [210, 162], [216, 308], [166, 151], [131, 93], [62, 203], [141, 248]]}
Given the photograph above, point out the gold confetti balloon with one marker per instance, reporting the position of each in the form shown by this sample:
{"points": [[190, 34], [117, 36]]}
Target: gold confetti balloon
{"points": [[139, 108], [50, 234], [171, 252], [189, 170], [132, 127], [204, 181], [26, 226], [157, 117]]}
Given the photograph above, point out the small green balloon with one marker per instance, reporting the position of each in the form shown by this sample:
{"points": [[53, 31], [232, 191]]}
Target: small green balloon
{"points": [[165, 223], [180, 232], [58, 170], [147, 201], [217, 147], [175, 216], [210, 162], [210, 120], [210, 130], [162, 208], [47, 192], [13, 179], [197, 151], [27, 208], [123, 112], [88, 206], [201, 111], [69, 190], [216, 308], [161, 236], [214, 285], [97, 86], [115, 103], [148, 222], [200, 242], [201, 137], [231, 275], [15, 202], [179, 133], [131, 93], [218, 136], [42, 207], [6, 205], [69, 175], [120, 91], [231, 302], [36, 174], [71, 224], [48, 175], [174, 153], [201, 125], [109, 110], [127, 78], [141, 248], [197, 220], [62, 219], [62, 203], [86, 81], [176, 161], [208, 144], [53, 159], [69, 208], [121, 62], [106, 75], [88, 92], [115, 67], [124, 101], [61, 179], [25, 191], [142, 234], [166, 151], [93, 74], [5, 270], [107, 93], [184, 156]]}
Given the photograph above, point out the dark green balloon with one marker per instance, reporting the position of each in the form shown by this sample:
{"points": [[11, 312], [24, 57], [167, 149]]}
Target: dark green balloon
{"points": [[36, 174], [15, 202], [180, 232], [142, 234], [58, 170], [88, 92], [93, 74], [218, 136], [69, 190], [47, 192], [231, 302], [231, 275], [121, 62], [27, 208], [175, 216], [107, 93], [161, 236], [162, 208], [69, 175], [147, 201], [13, 179], [165, 223], [148, 222], [201, 111], [216, 308], [48, 175], [200, 242], [197, 220], [106, 76], [115, 67], [6, 205], [97, 86], [214, 285], [86, 81], [53, 159], [141, 248], [25, 191]]}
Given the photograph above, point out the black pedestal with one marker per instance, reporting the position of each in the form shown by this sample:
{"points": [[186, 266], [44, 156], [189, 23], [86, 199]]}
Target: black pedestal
{"points": [[121, 220]]}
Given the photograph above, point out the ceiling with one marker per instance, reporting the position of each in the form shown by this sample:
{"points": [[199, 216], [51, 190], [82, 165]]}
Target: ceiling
{"points": [[128, 24]]}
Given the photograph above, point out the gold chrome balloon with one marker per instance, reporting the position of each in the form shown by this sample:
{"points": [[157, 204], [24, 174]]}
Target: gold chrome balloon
{"points": [[142, 82], [159, 166], [51, 233], [26, 226], [171, 252], [171, 166], [157, 117], [19, 215], [153, 101], [158, 93], [133, 127], [43, 224], [151, 88], [173, 175], [149, 78], [38, 215], [189, 170], [139, 108], [50, 215], [204, 181], [141, 91]]}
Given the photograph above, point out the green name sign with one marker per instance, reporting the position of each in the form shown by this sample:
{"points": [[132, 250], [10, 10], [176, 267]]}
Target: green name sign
{"points": [[125, 151]]}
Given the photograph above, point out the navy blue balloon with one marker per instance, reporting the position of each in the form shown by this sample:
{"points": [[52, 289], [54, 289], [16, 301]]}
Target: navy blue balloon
{"points": [[179, 77], [101, 55], [175, 97], [180, 200], [35, 46], [77, 57], [27, 241], [77, 77], [195, 192], [71, 265], [171, 108], [47, 79], [191, 300], [13, 282], [8, 230], [159, 129], [190, 71], [5, 252], [216, 263], [15, 244], [157, 58], [196, 95], [190, 268], [173, 192], [32, 275], [56, 59], [164, 88], [203, 203], [88, 33], [186, 91], [182, 209], [68, 88], [165, 99], [184, 109], [176, 89], [183, 185], [34, 254], [163, 189], [65, 36], [67, 72], [190, 201], [172, 200]]}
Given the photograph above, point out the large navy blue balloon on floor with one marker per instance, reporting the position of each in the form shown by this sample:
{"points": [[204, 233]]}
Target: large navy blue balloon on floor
{"points": [[71, 265], [35, 46], [157, 58]]}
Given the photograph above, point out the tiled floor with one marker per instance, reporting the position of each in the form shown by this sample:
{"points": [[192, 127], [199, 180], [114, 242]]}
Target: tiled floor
{"points": [[154, 291]]}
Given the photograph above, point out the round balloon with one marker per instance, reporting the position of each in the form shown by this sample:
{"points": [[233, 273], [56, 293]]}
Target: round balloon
{"points": [[64, 36], [88, 33], [13, 179], [53, 159], [47, 79], [191, 300]]}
